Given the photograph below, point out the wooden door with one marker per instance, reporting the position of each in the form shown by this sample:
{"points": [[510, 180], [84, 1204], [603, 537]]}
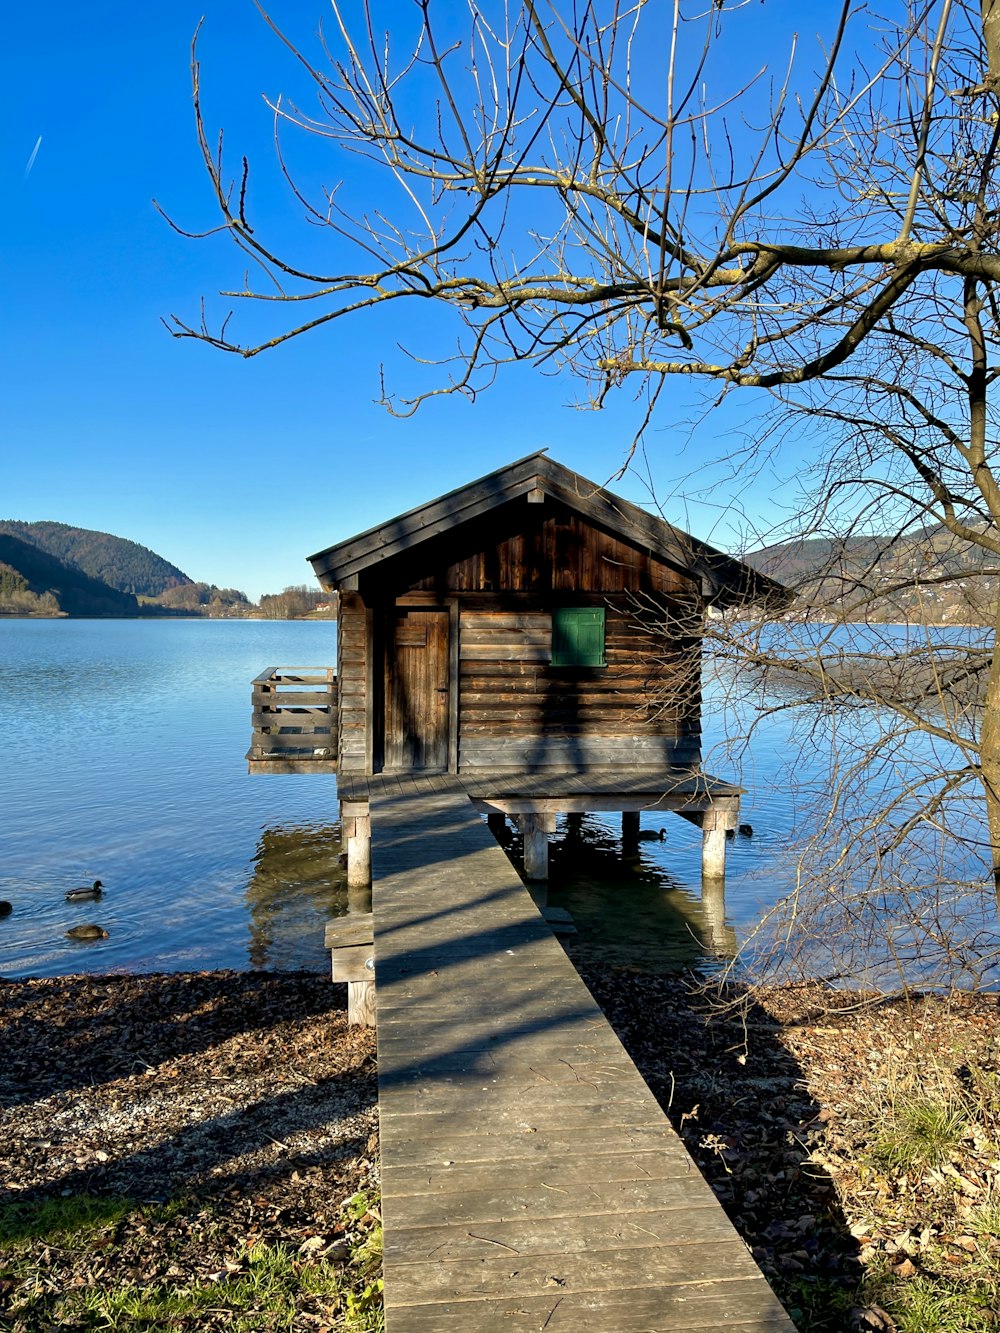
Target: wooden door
{"points": [[416, 690]]}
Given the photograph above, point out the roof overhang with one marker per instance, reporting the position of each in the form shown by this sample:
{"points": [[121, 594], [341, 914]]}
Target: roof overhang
{"points": [[722, 578]]}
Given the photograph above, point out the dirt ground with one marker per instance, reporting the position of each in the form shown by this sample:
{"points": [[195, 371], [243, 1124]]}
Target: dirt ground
{"points": [[237, 1108], [229, 1109], [854, 1140]]}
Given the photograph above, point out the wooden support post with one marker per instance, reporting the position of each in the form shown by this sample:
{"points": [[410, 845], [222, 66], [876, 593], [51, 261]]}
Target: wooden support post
{"points": [[350, 941], [359, 900], [713, 849], [536, 845], [497, 825], [356, 828], [630, 833], [713, 823], [361, 1004]]}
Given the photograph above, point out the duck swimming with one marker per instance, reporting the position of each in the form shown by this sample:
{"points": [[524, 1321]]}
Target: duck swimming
{"points": [[87, 933], [650, 835], [5, 907], [82, 894]]}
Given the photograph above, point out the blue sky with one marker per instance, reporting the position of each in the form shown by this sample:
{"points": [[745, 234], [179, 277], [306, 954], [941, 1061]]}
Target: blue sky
{"points": [[234, 470]]}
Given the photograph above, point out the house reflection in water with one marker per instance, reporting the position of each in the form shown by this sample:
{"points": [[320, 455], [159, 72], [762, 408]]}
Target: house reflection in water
{"points": [[295, 886], [631, 912], [627, 912]]}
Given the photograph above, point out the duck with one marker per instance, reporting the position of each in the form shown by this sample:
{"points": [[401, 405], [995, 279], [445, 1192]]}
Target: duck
{"points": [[745, 830], [5, 907], [87, 933], [82, 894], [651, 835]]}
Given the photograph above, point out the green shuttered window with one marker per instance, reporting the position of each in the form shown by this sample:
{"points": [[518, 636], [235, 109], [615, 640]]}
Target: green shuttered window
{"points": [[578, 636]]}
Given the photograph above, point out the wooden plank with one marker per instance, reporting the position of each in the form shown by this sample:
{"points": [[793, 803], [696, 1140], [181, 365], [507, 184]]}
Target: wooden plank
{"points": [[281, 726], [433, 1187], [520, 753], [474, 622], [291, 698], [531, 1145], [516, 652], [454, 632], [534, 1197], [492, 1270], [703, 1225], [355, 928], [291, 764], [524, 1161], [299, 741], [352, 963], [361, 1004], [318, 712], [743, 1304]]}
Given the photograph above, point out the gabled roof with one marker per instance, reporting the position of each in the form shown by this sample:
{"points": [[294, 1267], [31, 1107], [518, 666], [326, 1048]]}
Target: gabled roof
{"points": [[535, 477]]}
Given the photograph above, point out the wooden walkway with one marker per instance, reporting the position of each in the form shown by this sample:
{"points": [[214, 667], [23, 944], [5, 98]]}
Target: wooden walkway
{"points": [[530, 1181]]}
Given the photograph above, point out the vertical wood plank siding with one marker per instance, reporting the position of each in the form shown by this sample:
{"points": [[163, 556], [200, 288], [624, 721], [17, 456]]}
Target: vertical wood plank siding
{"points": [[539, 549]]}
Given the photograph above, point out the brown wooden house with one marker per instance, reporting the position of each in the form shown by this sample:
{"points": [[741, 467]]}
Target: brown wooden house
{"points": [[524, 630]]}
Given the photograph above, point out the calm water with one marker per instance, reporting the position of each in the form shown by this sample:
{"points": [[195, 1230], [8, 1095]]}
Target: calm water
{"points": [[125, 763]]}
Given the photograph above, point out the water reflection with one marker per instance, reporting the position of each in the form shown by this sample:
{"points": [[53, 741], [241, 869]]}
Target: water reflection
{"points": [[630, 910], [296, 885]]}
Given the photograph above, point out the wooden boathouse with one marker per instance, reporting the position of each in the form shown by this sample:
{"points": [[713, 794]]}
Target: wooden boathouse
{"points": [[534, 635], [526, 646]]}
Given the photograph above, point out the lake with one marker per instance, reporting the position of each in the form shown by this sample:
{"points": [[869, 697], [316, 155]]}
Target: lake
{"points": [[125, 763]]}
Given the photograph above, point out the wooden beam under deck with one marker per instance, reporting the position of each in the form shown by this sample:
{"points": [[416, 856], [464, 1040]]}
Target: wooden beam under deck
{"points": [[530, 1180], [533, 799]]}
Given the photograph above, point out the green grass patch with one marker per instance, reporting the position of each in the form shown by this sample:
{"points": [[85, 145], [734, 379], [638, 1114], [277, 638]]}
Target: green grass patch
{"points": [[266, 1292], [49, 1247], [50, 1219], [920, 1134], [932, 1304]]}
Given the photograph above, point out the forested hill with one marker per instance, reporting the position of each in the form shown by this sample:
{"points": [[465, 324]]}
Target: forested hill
{"points": [[32, 582], [121, 564], [924, 575]]}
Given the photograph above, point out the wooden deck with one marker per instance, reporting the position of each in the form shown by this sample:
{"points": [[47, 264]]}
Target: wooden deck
{"points": [[530, 1180], [587, 789]]}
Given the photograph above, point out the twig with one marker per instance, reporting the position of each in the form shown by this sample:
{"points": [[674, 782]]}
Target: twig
{"points": [[490, 1241]]}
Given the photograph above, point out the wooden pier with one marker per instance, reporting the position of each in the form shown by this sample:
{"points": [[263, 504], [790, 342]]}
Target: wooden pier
{"points": [[530, 1180], [525, 646]]}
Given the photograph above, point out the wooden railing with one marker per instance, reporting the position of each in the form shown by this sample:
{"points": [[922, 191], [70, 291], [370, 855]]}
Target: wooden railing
{"points": [[294, 721]]}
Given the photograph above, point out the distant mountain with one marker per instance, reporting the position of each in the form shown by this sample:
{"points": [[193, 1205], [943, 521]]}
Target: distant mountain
{"points": [[28, 573], [926, 575], [121, 564]]}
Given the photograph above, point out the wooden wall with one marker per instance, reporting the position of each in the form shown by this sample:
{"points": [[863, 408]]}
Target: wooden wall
{"points": [[515, 710], [541, 549], [505, 574], [354, 744]]}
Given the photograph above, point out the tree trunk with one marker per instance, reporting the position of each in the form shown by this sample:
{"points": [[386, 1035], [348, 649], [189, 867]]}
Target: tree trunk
{"points": [[989, 756], [991, 39]]}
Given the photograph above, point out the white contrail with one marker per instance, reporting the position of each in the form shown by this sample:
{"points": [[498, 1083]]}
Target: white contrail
{"points": [[31, 159]]}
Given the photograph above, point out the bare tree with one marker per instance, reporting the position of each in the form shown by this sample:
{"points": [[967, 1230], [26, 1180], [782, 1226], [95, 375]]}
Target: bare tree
{"points": [[590, 188]]}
